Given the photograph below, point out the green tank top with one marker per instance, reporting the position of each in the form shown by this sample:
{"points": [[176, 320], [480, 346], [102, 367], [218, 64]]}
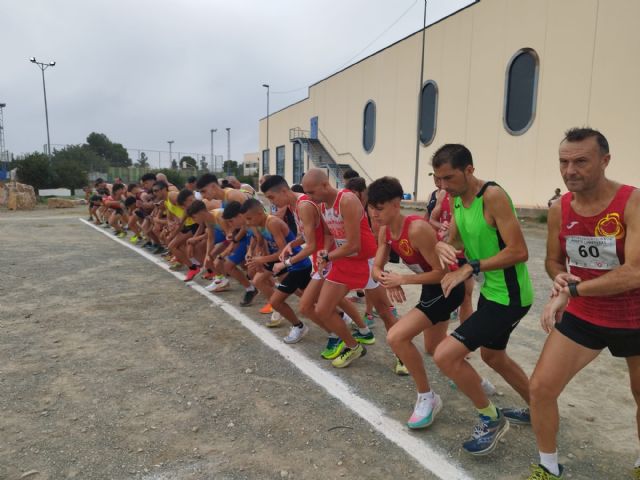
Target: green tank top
{"points": [[511, 286]]}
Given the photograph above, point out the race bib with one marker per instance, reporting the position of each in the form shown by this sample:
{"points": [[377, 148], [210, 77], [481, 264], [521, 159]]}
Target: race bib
{"points": [[597, 253]]}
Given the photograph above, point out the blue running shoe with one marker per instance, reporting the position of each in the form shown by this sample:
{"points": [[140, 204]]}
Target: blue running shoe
{"points": [[333, 349], [486, 435], [517, 416], [366, 338]]}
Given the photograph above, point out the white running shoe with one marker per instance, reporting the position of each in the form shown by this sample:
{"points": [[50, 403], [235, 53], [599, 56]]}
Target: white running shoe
{"points": [[425, 412], [275, 321], [216, 287], [296, 334], [488, 387]]}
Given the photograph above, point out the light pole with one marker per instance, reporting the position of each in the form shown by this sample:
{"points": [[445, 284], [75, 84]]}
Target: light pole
{"points": [[267, 87], [213, 159], [2, 145], [43, 67], [228, 150], [170, 142]]}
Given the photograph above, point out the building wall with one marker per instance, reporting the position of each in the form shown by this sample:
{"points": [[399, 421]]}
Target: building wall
{"points": [[587, 51]]}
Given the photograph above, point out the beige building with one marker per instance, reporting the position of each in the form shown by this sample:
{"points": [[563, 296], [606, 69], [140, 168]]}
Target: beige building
{"points": [[504, 77], [250, 163]]}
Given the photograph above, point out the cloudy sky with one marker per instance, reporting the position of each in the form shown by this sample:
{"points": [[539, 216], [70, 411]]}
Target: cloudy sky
{"points": [[147, 71]]}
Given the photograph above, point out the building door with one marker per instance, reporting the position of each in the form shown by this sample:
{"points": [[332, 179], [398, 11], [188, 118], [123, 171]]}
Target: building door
{"points": [[313, 134], [280, 161]]}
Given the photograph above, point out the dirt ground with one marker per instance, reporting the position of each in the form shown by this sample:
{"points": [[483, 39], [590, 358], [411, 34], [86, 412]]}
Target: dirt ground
{"points": [[110, 368]]}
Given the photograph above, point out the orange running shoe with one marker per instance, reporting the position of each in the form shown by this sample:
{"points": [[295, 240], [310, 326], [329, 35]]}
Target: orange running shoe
{"points": [[267, 309]]}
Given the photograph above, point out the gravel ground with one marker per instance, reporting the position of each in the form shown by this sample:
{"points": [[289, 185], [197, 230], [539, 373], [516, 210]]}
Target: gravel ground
{"points": [[110, 368]]}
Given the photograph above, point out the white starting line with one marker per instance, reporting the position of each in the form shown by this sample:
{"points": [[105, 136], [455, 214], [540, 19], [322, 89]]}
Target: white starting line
{"points": [[430, 458]]}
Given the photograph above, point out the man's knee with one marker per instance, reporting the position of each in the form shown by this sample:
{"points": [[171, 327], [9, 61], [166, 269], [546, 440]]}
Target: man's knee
{"points": [[494, 358]]}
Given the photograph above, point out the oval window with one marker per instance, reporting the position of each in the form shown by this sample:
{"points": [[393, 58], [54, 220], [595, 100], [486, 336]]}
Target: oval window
{"points": [[521, 92], [428, 112], [369, 126]]}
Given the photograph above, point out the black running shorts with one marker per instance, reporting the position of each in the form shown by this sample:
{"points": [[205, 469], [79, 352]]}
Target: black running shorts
{"points": [[296, 279], [621, 342], [435, 306], [490, 325], [192, 229]]}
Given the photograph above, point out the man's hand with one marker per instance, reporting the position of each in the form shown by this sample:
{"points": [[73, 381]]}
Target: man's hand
{"points": [[287, 251], [452, 279], [447, 254], [561, 283], [193, 241], [553, 311], [255, 262], [396, 294], [278, 267], [321, 262], [390, 279]]}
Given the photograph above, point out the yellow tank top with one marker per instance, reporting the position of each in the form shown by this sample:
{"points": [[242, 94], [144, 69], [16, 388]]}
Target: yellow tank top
{"points": [[178, 212]]}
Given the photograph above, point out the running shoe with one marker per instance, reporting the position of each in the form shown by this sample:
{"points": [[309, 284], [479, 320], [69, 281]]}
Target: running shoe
{"points": [[209, 276], [425, 412], [248, 297], [160, 250], [296, 333], [364, 338], [217, 287], [400, 368], [121, 234], [267, 309], [90, 219], [348, 355], [636, 472], [176, 267], [355, 298], [134, 239], [394, 311], [486, 435], [538, 472], [191, 274], [333, 349], [148, 245], [368, 319], [489, 388], [517, 416], [275, 320]]}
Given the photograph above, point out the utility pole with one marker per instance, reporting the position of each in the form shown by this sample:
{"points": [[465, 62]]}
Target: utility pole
{"points": [[4, 156], [416, 172], [170, 142], [213, 158]]}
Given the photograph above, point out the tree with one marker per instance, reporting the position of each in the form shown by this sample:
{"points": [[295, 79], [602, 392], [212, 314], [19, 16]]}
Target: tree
{"points": [[82, 155], [143, 161], [230, 167], [174, 164], [188, 162], [114, 153], [69, 174], [34, 170], [203, 163], [173, 176]]}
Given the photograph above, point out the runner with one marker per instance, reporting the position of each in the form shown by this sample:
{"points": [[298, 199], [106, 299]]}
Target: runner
{"points": [[414, 241], [351, 261], [595, 229], [486, 226], [311, 238]]}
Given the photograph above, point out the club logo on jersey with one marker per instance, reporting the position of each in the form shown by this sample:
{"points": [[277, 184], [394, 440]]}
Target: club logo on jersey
{"points": [[610, 226], [405, 247], [571, 225]]}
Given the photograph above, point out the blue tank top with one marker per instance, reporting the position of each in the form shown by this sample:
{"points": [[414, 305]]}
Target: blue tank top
{"points": [[273, 247]]}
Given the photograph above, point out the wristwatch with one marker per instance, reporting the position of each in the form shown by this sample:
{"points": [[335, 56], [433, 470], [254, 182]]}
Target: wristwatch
{"points": [[325, 257], [287, 262], [573, 289], [475, 266]]}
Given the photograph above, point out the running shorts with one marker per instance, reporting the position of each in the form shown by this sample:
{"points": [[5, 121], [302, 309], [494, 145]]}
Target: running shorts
{"points": [[435, 306]]}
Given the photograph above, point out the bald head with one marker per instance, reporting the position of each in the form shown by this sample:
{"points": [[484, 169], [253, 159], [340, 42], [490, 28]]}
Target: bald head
{"points": [[233, 181], [316, 184], [162, 177]]}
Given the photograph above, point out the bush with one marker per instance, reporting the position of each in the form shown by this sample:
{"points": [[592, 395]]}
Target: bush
{"points": [[174, 176], [34, 170]]}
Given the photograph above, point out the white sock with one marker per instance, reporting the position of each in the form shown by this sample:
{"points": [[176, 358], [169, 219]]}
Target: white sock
{"points": [[425, 396], [250, 288], [346, 318], [332, 335], [637, 463], [194, 261], [364, 331], [550, 462]]}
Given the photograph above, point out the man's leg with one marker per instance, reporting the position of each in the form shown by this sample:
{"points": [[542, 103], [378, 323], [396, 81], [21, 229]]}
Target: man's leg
{"points": [[513, 374], [634, 376], [450, 358], [380, 301], [561, 359], [308, 302]]}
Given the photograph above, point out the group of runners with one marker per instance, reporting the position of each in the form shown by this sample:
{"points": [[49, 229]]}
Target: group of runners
{"points": [[320, 243]]}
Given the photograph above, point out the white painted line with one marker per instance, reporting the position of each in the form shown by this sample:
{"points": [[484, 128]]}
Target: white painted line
{"points": [[432, 459]]}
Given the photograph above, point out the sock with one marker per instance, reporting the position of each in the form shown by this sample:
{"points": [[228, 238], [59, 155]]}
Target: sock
{"points": [[637, 463], [300, 325], [332, 335], [364, 331], [489, 411], [194, 261], [250, 288], [425, 396], [550, 462]]}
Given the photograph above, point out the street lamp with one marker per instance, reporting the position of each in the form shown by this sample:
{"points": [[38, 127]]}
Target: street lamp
{"points": [[3, 152], [267, 87], [228, 150], [43, 67], [417, 167], [170, 142], [213, 159]]}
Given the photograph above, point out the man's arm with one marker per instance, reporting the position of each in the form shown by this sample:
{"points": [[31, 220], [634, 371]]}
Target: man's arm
{"points": [[308, 215], [434, 219], [382, 254], [352, 212], [278, 230], [627, 276], [555, 261], [423, 239]]}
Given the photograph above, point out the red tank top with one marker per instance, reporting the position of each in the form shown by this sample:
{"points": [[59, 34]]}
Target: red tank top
{"points": [[402, 246], [333, 218], [593, 246]]}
